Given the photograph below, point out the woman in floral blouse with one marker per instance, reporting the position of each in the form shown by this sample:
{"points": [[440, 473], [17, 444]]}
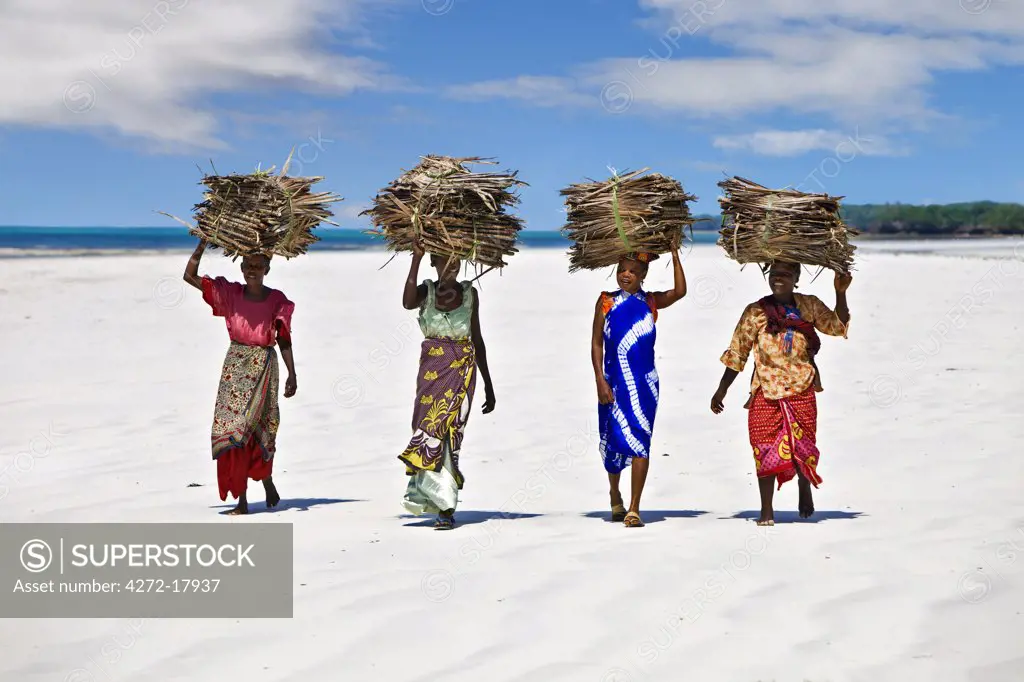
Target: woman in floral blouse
{"points": [[782, 420]]}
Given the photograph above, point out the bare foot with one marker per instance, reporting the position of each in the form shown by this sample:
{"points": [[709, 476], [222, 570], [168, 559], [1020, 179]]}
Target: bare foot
{"points": [[242, 508], [766, 486], [806, 504], [271, 490]]}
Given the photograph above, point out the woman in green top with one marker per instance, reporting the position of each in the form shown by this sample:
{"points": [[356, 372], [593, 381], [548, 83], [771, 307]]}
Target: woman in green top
{"points": [[453, 349]]}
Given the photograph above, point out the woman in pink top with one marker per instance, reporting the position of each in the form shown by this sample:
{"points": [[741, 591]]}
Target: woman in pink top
{"points": [[246, 416]]}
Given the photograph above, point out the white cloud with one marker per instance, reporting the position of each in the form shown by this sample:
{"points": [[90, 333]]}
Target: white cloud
{"points": [[144, 68], [797, 142], [997, 17], [708, 166], [853, 61], [539, 90]]}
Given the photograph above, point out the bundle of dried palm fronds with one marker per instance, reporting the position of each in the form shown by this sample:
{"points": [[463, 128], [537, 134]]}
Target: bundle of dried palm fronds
{"points": [[625, 214], [260, 213], [452, 211], [761, 225]]}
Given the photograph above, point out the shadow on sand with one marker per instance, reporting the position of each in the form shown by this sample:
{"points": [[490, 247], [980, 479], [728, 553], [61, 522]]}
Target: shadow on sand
{"points": [[650, 515], [298, 504], [467, 518], [794, 517]]}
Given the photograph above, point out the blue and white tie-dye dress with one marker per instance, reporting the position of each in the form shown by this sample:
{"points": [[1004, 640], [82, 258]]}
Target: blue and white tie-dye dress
{"points": [[627, 423]]}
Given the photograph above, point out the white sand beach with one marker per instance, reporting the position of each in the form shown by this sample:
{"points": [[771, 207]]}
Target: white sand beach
{"points": [[908, 571]]}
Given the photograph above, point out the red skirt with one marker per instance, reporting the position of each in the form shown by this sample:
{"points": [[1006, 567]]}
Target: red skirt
{"points": [[245, 418], [783, 432], [237, 465]]}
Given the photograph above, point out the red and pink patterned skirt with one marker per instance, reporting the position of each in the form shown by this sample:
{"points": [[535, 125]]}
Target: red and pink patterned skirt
{"points": [[783, 435]]}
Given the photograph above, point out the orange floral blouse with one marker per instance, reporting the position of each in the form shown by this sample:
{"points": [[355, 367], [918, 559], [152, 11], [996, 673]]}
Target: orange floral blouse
{"points": [[778, 373]]}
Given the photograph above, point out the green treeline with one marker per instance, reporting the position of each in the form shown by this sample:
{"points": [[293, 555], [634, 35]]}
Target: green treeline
{"points": [[939, 220], [935, 220]]}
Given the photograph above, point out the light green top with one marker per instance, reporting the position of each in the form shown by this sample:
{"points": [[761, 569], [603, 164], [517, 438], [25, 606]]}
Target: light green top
{"points": [[454, 324]]}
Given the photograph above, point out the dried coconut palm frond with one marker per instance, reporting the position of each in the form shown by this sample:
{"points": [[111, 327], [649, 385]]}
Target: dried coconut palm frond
{"points": [[455, 212], [261, 212], [626, 213], [761, 225]]}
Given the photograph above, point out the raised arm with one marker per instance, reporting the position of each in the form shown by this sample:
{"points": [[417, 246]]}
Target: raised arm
{"points": [[842, 283], [826, 321], [192, 269], [413, 295], [604, 391], [481, 354], [663, 299]]}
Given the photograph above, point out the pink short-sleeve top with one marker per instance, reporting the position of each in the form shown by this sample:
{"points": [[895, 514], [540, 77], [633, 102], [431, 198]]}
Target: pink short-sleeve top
{"points": [[251, 323]]}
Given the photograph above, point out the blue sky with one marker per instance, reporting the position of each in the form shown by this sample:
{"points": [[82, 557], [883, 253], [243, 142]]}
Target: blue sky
{"points": [[108, 111]]}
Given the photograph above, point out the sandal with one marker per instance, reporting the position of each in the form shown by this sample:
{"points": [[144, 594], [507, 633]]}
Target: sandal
{"points": [[444, 522], [633, 520], [618, 513]]}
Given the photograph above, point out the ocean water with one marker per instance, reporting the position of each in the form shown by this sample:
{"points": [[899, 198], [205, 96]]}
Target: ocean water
{"points": [[176, 238]]}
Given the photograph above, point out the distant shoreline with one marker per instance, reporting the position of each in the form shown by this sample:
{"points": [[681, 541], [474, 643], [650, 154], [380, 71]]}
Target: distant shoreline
{"points": [[911, 237], [998, 248], [92, 242]]}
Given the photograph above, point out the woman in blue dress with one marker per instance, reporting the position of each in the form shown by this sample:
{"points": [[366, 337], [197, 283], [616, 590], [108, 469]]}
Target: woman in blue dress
{"points": [[622, 350]]}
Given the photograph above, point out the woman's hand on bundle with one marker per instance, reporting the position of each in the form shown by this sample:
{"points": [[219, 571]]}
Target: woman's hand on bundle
{"points": [[290, 386], [417, 248], [843, 282], [677, 243], [604, 392]]}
